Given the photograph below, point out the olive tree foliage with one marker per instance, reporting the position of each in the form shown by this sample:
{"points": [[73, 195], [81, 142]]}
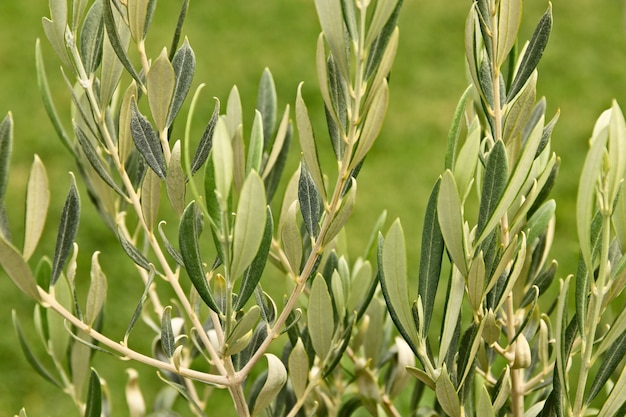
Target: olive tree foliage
{"points": [[206, 228]]}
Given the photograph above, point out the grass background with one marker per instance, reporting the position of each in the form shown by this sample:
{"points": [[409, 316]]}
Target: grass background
{"points": [[583, 68]]}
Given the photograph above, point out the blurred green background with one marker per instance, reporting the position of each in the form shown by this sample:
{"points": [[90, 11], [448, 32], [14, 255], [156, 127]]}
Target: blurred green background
{"points": [[583, 68]]}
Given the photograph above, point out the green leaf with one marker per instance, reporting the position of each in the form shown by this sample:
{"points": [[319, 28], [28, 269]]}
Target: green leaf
{"points": [[94, 394], [519, 113], [222, 162], [339, 111], [382, 13], [276, 378], [393, 281], [37, 202], [273, 178], [291, 238], [131, 250], [233, 111], [30, 356], [95, 160], [467, 160], [310, 200], [509, 20], [167, 333], [175, 181], [373, 124], [447, 396], [451, 221], [382, 49], [92, 37], [476, 282], [494, 183], [150, 198], [617, 151], [343, 214], [54, 28], [299, 369], [255, 149], [455, 128], [147, 141], [320, 320], [179, 26], [242, 333], [161, 81], [609, 364], [116, 43], [139, 306], [617, 397], [484, 408], [97, 291], [252, 275], [137, 13], [533, 53], [206, 142], [188, 233], [6, 142], [540, 219], [46, 96], [68, 227], [307, 142], [250, 223], [430, 258], [266, 105], [452, 314], [184, 64], [331, 19]]}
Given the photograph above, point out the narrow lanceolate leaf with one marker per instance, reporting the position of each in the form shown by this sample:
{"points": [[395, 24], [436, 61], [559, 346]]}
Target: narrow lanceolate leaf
{"points": [[451, 221], [276, 378], [54, 29], [139, 307], [331, 19], [383, 46], [393, 281], [373, 124], [95, 160], [97, 291], [617, 150], [188, 232], [114, 38], [184, 63], [252, 275], [320, 317], [494, 183], [587, 189], [137, 12], [92, 36], [179, 27], [46, 96], [455, 129], [533, 53], [161, 81], [344, 213], [175, 181], [266, 105], [447, 396], [131, 250], [255, 148], [37, 201], [299, 369], [610, 362], [250, 223], [509, 19], [94, 393], [206, 142], [307, 142], [291, 238], [6, 142], [30, 356], [222, 161], [452, 311], [68, 227], [310, 201], [167, 333], [150, 198], [382, 13], [617, 398], [147, 141], [17, 269], [430, 258]]}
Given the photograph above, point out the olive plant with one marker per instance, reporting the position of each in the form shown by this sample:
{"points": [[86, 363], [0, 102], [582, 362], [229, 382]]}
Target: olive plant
{"points": [[500, 349], [219, 326]]}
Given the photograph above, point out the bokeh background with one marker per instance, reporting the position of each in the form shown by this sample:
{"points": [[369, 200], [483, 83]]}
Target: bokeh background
{"points": [[583, 69]]}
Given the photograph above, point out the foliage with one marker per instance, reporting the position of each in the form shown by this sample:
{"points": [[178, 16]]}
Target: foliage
{"points": [[499, 352]]}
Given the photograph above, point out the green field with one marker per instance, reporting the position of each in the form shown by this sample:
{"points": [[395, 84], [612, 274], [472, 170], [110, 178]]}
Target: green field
{"points": [[583, 69]]}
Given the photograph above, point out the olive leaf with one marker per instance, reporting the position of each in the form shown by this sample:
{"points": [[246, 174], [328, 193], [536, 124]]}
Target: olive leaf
{"points": [[184, 64], [320, 318], [161, 80], [37, 202], [147, 141], [266, 105], [68, 227]]}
